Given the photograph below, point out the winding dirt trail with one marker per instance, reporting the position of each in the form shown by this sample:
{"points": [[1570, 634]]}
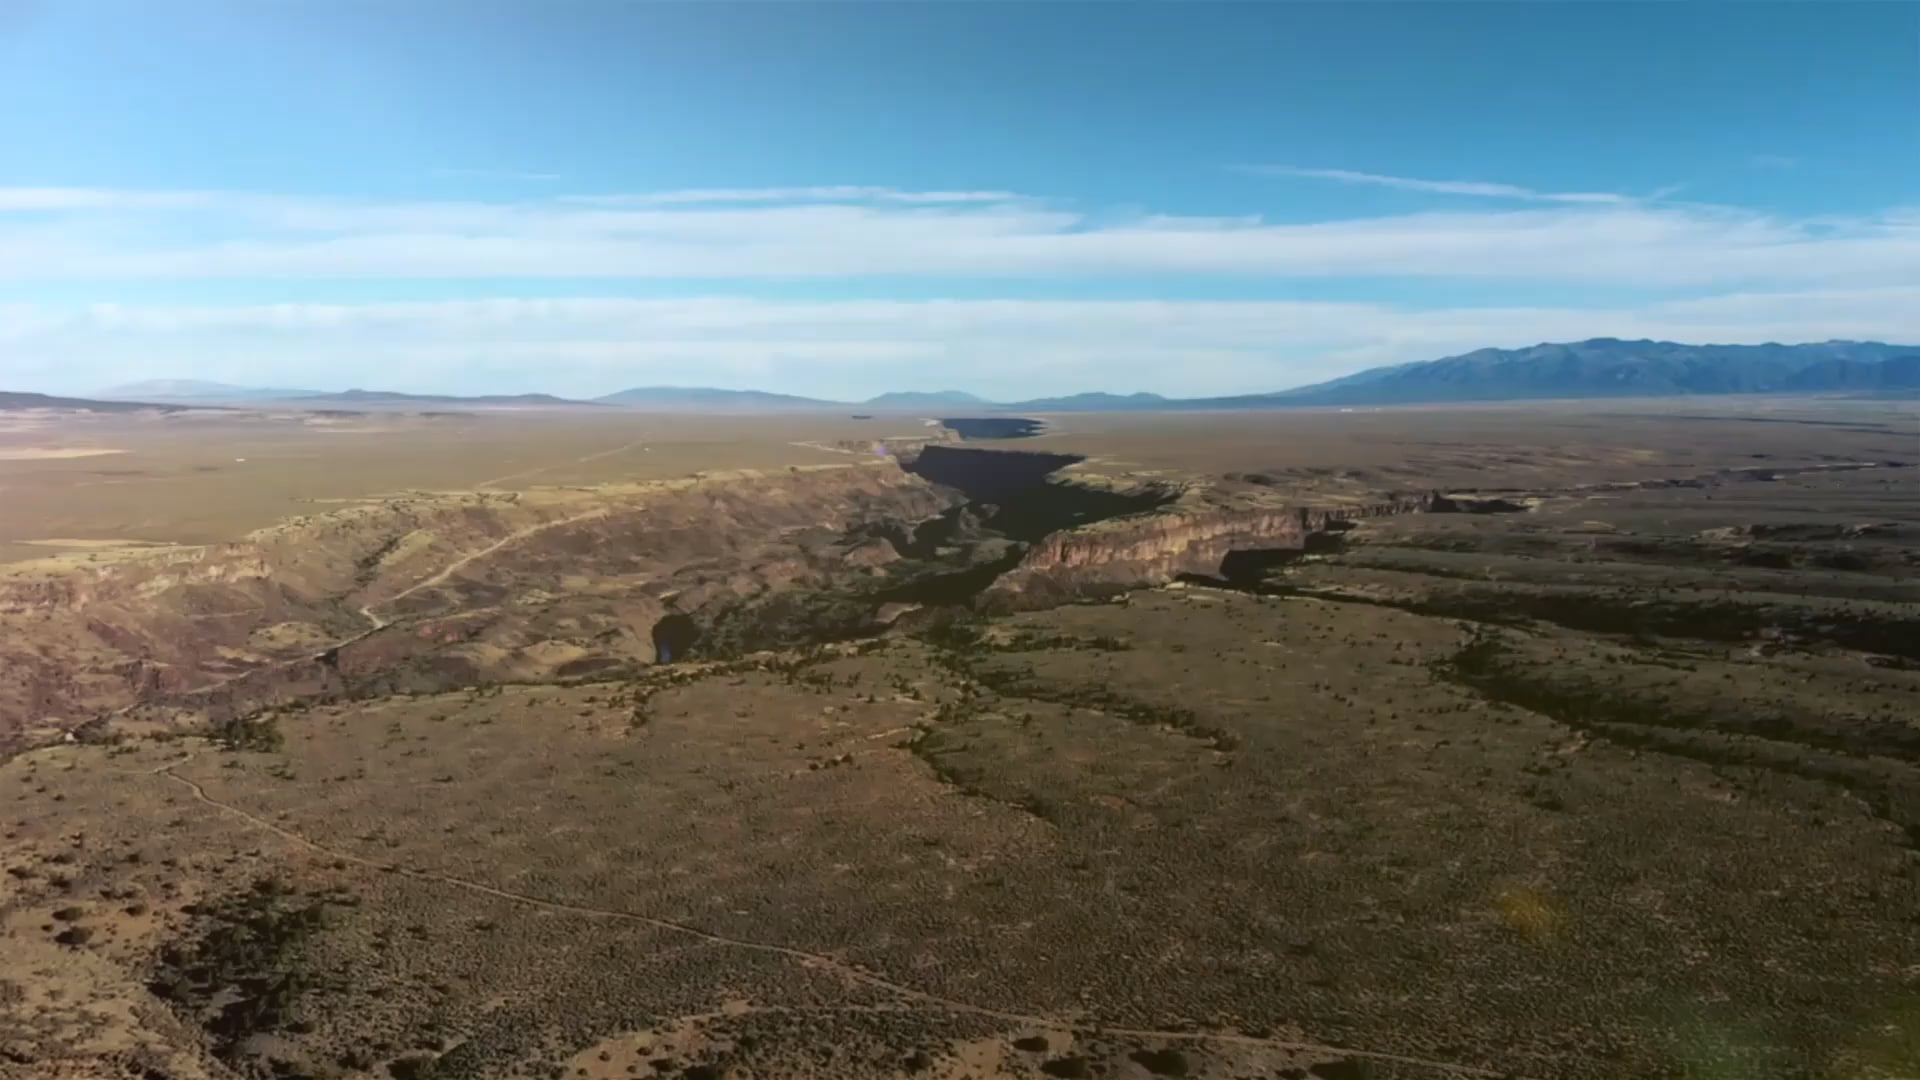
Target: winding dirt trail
{"points": [[377, 622], [470, 558], [813, 961]]}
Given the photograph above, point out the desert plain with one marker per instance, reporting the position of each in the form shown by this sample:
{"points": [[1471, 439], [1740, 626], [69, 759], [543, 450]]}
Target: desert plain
{"points": [[1546, 740]]}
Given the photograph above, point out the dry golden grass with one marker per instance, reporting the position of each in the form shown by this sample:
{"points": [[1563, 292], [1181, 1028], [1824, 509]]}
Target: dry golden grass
{"points": [[198, 480]]}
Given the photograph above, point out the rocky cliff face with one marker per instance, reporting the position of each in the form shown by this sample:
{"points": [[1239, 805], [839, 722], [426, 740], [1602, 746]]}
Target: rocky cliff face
{"points": [[1154, 548]]}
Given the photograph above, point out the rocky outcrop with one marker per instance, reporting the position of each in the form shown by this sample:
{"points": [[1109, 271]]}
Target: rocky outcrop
{"points": [[1155, 548], [147, 574]]}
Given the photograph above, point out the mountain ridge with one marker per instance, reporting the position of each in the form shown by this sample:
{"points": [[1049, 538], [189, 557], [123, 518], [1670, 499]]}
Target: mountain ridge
{"points": [[197, 390], [942, 399], [696, 396], [1594, 368], [358, 396], [1611, 367]]}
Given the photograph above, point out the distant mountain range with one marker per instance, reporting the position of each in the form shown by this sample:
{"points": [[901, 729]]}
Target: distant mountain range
{"points": [[389, 397], [1597, 368], [1099, 402], [1609, 367], [197, 390], [926, 399], [918, 401], [202, 392], [694, 398], [12, 400]]}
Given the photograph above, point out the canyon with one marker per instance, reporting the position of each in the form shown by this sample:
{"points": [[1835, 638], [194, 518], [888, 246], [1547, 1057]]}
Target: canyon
{"points": [[1411, 746], [436, 591]]}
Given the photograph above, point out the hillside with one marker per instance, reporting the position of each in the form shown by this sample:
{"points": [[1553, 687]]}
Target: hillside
{"points": [[1609, 367]]}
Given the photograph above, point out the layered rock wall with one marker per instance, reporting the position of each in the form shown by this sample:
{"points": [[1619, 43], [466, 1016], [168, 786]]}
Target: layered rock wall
{"points": [[1155, 548]]}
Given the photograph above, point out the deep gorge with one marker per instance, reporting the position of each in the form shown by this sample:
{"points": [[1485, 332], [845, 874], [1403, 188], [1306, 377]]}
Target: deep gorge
{"points": [[431, 593]]}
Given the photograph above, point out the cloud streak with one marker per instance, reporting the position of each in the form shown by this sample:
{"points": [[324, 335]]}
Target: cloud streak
{"points": [[1729, 275], [116, 236], [1478, 188]]}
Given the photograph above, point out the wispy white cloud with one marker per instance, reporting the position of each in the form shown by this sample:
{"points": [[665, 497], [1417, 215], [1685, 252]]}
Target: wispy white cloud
{"points": [[1479, 188], [109, 236], [856, 347], [1749, 277]]}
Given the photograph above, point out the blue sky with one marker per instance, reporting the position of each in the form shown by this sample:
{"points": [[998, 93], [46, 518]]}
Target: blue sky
{"points": [[1010, 198]]}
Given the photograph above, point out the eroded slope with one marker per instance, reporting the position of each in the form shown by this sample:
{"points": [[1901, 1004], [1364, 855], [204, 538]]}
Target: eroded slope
{"points": [[485, 587]]}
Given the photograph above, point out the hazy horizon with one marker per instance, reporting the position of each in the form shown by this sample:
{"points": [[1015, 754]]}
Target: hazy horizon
{"points": [[185, 388], [837, 201]]}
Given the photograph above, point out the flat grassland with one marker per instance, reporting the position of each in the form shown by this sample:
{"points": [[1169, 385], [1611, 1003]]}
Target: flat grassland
{"points": [[1519, 444], [1620, 781], [202, 477], [205, 477]]}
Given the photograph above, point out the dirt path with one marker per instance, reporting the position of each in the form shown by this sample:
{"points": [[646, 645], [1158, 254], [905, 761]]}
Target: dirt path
{"points": [[377, 622], [811, 960], [469, 559]]}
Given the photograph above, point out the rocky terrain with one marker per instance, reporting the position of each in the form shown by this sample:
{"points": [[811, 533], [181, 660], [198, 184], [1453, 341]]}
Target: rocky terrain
{"points": [[983, 763], [1196, 533], [434, 592]]}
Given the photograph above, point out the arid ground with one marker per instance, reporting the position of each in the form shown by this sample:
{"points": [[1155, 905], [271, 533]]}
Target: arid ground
{"points": [[1532, 742], [204, 476]]}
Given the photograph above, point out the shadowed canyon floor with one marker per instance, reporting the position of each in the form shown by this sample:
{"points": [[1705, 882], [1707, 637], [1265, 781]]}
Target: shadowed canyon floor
{"points": [[1595, 763]]}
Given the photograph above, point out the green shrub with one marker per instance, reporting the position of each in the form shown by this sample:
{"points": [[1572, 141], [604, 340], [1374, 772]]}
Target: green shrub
{"points": [[258, 733]]}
